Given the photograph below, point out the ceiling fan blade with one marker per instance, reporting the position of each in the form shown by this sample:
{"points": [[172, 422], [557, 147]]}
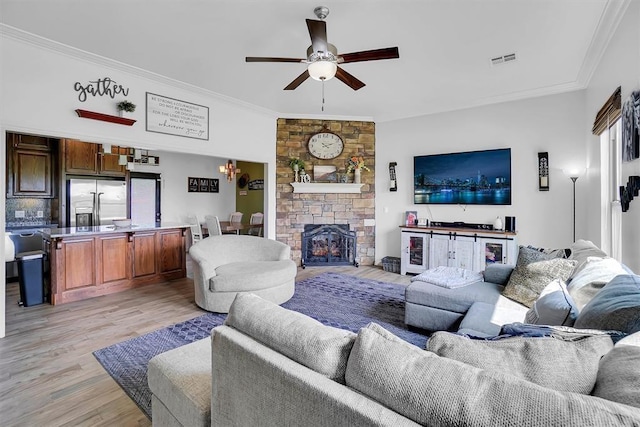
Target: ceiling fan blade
{"points": [[298, 81], [267, 59], [349, 79], [318, 34], [370, 55]]}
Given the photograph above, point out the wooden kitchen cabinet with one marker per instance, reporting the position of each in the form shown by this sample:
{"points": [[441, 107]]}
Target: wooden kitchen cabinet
{"points": [[84, 158], [30, 142], [171, 250], [29, 167], [144, 254], [90, 264]]}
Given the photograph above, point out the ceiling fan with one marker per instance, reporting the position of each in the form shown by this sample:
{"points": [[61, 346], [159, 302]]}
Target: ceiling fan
{"points": [[323, 58]]}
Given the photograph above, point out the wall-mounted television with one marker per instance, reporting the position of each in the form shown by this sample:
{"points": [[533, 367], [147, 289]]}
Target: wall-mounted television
{"points": [[467, 178]]}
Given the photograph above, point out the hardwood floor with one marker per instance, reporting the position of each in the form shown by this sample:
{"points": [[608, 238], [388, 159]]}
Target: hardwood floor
{"points": [[48, 374]]}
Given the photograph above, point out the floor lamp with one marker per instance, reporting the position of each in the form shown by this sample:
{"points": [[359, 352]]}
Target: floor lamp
{"points": [[574, 179]]}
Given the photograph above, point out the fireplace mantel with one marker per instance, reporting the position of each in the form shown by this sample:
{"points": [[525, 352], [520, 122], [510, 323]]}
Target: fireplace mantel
{"points": [[325, 187]]}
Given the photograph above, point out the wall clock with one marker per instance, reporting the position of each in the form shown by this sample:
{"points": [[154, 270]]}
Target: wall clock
{"points": [[325, 145]]}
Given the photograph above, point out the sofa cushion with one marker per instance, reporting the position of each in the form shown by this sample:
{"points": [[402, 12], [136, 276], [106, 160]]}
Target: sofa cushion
{"points": [[251, 275], [591, 276], [322, 348], [553, 363], [534, 271], [583, 249], [497, 273], [554, 306], [616, 306], [181, 380], [433, 390], [457, 300], [619, 375], [486, 320]]}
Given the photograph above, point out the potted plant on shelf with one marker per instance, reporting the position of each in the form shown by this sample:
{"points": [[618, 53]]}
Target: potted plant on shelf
{"points": [[296, 165], [356, 165], [127, 106]]}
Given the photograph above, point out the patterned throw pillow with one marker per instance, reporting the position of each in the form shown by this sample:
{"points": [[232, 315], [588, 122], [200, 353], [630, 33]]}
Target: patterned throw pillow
{"points": [[554, 306], [534, 271]]}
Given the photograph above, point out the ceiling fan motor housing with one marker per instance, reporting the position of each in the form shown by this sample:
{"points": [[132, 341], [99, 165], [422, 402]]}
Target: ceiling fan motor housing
{"points": [[321, 12]]}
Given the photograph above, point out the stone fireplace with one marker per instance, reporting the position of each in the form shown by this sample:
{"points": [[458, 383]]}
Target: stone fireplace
{"points": [[328, 244], [295, 210]]}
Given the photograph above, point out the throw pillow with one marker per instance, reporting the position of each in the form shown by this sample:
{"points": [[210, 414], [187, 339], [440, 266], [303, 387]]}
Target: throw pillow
{"points": [[322, 348], [556, 253], [619, 376], [616, 306], [590, 277], [549, 362], [583, 249], [554, 306], [432, 390], [534, 271]]}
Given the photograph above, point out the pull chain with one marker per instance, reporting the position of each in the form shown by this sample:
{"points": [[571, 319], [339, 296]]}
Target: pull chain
{"points": [[322, 94]]}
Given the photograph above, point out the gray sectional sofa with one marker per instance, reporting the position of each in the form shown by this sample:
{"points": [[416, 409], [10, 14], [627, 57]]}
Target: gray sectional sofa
{"points": [[544, 287], [273, 367]]}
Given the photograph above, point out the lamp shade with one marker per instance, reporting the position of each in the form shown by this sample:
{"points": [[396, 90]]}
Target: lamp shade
{"points": [[322, 70], [573, 172]]}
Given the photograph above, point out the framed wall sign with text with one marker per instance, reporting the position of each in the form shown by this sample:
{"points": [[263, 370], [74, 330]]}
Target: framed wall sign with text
{"points": [[203, 185], [175, 117]]}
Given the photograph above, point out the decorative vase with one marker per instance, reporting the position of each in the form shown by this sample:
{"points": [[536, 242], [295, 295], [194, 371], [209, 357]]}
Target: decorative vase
{"points": [[497, 224], [356, 176]]}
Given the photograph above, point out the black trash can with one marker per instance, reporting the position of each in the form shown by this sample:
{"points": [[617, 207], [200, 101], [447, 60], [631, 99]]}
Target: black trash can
{"points": [[31, 277]]}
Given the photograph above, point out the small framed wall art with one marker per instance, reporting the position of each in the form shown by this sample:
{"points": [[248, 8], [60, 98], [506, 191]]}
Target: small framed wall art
{"points": [[543, 171], [203, 185]]}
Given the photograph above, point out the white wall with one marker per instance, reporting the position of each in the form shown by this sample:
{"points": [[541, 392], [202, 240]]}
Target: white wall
{"points": [[37, 96], [543, 218], [620, 66], [176, 202]]}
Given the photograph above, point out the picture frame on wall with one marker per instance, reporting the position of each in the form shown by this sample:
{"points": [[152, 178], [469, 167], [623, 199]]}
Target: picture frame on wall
{"points": [[203, 185], [631, 127], [192, 185]]}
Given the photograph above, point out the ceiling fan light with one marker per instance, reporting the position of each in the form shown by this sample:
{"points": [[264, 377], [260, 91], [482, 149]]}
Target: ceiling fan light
{"points": [[322, 70]]}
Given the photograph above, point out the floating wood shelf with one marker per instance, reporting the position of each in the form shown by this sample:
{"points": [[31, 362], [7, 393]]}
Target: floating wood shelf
{"points": [[105, 117]]}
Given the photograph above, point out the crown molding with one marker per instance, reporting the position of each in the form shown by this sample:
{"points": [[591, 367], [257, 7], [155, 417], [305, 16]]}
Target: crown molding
{"points": [[66, 50], [609, 21]]}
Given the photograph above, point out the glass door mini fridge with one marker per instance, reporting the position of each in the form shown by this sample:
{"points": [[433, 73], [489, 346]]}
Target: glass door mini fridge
{"points": [[93, 202]]}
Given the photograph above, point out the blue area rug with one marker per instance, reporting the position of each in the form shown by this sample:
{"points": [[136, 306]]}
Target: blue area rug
{"points": [[334, 299]]}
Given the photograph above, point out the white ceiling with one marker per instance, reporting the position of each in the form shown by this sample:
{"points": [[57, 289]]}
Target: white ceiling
{"points": [[445, 47]]}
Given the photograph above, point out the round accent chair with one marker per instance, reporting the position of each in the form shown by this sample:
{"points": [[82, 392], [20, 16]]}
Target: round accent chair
{"points": [[226, 265]]}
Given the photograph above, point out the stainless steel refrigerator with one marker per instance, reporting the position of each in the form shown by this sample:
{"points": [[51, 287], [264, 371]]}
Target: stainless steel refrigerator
{"points": [[92, 202]]}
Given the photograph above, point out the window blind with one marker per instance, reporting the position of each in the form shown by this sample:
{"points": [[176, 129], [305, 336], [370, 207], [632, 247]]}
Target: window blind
{"points": [[609, 113]]}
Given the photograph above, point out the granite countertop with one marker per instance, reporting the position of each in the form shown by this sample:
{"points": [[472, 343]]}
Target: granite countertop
{"points": [[30, 228], [106, 229]]}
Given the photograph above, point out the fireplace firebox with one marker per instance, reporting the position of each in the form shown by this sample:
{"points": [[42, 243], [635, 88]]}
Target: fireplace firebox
{"points": [[328, 244]]}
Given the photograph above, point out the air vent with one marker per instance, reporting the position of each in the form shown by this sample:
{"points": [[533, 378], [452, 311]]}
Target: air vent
{"points": [[510, 57]]}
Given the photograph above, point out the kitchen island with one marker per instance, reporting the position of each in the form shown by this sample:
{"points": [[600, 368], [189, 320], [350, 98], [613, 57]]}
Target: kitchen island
{"points": [[86, 262]]}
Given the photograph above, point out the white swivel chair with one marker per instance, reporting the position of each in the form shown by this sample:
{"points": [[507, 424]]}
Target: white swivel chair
{"points": [[257, 218], [196, 229], [213, 225], [235, 217]]}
